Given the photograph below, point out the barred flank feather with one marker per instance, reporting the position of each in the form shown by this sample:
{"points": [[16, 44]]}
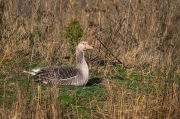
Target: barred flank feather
{"points": [[57, 74]]}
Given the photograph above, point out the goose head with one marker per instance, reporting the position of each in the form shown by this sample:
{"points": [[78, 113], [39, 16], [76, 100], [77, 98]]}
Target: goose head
{"points": [[84, 46]]}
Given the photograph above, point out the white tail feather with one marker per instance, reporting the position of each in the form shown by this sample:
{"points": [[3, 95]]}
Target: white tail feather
{"points": [[34, 71], [29, 72]]}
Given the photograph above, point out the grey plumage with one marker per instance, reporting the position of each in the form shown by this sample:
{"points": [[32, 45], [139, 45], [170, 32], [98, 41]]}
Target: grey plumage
{"points": [[66, 74]]}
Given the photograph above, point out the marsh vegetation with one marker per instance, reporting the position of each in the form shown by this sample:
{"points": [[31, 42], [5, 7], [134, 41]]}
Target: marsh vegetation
{"points": [[134, 67]]}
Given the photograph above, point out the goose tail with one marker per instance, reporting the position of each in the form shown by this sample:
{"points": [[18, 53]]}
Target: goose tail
{"points": [[30, 72], [34, 71], [36, 78]]}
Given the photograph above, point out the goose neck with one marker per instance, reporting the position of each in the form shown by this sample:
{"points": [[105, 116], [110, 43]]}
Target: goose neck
{"points": [[79, 57]]}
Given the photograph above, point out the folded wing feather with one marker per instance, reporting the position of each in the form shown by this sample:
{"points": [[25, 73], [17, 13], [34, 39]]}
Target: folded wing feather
{"points": [[52, 74]]}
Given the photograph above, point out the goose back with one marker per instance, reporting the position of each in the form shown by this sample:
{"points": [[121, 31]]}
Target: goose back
{"points": [[61, 75]]}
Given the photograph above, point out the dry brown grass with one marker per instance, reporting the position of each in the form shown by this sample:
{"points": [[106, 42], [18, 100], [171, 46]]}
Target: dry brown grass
{"points": [[148, 43]]}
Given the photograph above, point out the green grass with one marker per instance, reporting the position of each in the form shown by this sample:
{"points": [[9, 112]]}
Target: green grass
{"points": [[77, 99], [9, 97], [2, 76]]}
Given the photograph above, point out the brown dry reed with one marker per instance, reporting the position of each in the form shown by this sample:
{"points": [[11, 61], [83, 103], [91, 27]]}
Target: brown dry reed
{"points": [[148, 42]]}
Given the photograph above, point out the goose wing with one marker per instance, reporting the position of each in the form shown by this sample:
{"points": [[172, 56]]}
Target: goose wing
{"points": [[52, 74]]}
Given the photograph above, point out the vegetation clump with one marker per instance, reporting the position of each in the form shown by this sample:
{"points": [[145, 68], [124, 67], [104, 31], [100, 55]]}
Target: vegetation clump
{"points": [[73, 33]]}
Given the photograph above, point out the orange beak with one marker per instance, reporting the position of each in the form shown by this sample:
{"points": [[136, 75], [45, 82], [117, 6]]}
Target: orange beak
{"points": [[88, 47]]}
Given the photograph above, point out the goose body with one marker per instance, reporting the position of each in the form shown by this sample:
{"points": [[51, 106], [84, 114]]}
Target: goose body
{"points": [[66, 74]]}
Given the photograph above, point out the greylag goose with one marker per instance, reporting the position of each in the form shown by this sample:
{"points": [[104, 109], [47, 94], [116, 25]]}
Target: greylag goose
{"points": [[66, 74]]}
